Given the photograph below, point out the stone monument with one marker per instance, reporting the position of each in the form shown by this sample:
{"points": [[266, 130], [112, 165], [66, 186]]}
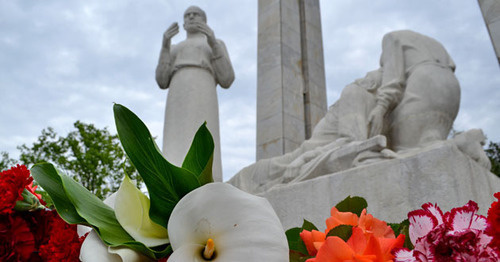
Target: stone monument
{"points": [[191, 70], [385, 139], [291, 92], [491, 13]]}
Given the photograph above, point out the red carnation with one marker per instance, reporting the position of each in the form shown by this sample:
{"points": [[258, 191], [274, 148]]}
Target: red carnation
{"points": [[493, 220], [12, 184], [64, 243], [16, 240]]}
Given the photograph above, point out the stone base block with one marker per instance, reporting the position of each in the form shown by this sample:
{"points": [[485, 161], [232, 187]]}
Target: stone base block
{"points": [[442, 175]]}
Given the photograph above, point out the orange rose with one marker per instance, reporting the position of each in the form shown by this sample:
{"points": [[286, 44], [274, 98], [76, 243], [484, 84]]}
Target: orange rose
{"points": [[371, 240], [361, 246]]}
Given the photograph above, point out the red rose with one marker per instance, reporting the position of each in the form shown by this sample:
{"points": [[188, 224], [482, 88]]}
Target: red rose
{"points": [[12, 184], [16, 240]]}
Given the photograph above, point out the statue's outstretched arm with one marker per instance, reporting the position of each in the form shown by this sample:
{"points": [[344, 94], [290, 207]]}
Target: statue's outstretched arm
{"points": [[164, 68]]}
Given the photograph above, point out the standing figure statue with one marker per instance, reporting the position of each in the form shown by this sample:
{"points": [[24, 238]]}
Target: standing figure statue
{"points": [[191, 71]]}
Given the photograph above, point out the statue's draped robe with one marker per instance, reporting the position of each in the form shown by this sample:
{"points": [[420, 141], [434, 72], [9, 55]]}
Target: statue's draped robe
{"points": [[192, 97]]}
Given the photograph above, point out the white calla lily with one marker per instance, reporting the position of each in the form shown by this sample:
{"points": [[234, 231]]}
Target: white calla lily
{"points": [[132, 212], [93, 249], [240, 226]]}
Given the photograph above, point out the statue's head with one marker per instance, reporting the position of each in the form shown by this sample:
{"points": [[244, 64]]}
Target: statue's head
{"points": [[193, 14], [374, 79], [371, 81]]}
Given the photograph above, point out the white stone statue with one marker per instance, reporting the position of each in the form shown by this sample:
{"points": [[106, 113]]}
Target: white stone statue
{"points": [[191, 71], [406, 105], [419, 94], [335, 137]]}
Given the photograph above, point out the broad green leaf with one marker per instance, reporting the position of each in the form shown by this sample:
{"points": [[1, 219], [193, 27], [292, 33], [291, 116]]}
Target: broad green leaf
{"points": [[95, 212], [132, 211], [352, 204], [342, 231], [200, 155], [76, 205], [48, 177], [166, 183], [206, 176]]}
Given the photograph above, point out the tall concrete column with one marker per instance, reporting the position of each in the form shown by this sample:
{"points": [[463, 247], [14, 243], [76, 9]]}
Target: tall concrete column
{"points": [[291, 92], [491, 14]]}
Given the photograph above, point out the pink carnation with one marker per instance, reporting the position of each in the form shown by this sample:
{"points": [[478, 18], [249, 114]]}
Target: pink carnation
{"points": [[457, 235]]}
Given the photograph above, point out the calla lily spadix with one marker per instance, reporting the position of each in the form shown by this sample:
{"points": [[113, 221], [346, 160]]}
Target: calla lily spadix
{"points": [[218, 222]]}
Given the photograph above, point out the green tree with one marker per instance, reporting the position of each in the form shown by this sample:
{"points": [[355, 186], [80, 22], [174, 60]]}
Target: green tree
{"points": [[6, 162], [90, 155], [493, 153]]}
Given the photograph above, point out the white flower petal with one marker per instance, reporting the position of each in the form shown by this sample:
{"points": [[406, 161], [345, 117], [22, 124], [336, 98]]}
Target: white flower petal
{"points": [[132, 211], [82, 230], [128, 255], [187, 253], [421, 223], [93, 249], [244, 227], [404, 255]]}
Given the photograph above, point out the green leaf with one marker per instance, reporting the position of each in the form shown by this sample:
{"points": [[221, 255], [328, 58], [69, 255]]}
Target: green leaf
{"points": [[200, 155], [48, 177], [166, 183], [295, 242], [29, 202], [76, 205], [95, 212], [295, 256], [403, 228], [308, 226], [352, 204], [342, 231]]}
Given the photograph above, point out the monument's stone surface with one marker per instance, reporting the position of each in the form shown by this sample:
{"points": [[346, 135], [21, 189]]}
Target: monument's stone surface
{"points": [[491, 14], [385, 139], [412, 100], [191, 70], [291, 92], [346, 121], [441, 174]]}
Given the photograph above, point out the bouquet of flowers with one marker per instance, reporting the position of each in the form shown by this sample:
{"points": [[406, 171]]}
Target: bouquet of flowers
{"points": [[427, 235], [188, 217], [29, 231]]}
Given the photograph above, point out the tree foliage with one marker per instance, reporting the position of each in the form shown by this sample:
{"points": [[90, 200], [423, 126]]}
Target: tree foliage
{"points": [[493, 153], [6, 162], [90, 155]]}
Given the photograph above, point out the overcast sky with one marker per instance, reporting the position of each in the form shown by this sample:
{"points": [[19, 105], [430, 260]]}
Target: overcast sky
{"points": [[63, 61]]}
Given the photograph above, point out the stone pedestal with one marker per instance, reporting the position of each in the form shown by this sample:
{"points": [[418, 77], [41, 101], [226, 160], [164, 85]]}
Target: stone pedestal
{"points": [[291, 92], [441, 174]]}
